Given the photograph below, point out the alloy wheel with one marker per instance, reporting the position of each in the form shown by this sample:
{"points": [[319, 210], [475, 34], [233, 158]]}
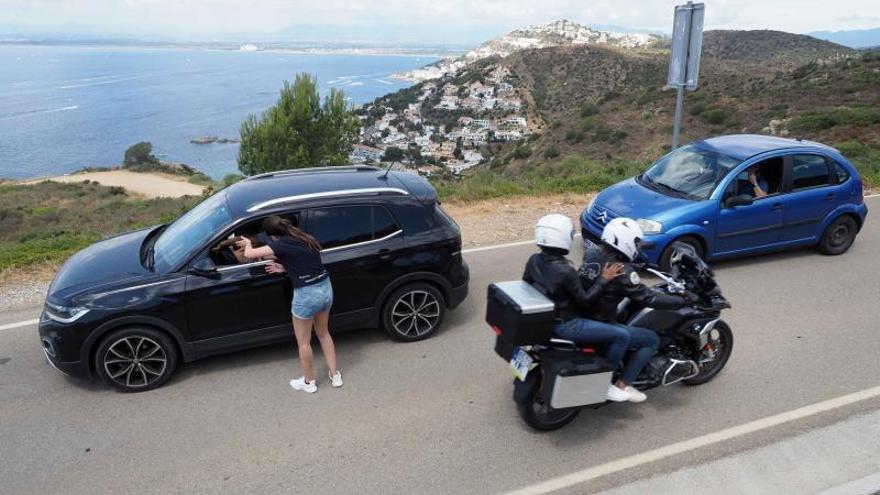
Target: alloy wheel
{"points": [[415, 313], [135, 361]]}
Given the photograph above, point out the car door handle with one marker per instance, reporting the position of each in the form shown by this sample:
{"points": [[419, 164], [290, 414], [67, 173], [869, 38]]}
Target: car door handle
{"points": [[385, 254], [829, 197], [777, 206]]}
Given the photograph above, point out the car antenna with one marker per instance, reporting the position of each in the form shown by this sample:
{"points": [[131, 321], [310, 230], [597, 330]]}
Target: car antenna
{"points": [[387, 170]]}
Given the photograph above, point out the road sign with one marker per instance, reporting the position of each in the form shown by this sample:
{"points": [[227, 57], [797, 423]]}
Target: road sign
{"points": [[684, 58]]}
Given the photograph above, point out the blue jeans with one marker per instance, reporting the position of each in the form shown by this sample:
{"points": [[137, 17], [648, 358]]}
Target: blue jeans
{"points": [[312, 299], [617, 337]]}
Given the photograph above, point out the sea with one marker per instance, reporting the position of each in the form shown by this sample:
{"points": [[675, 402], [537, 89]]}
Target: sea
{"points": [[63, 108]]}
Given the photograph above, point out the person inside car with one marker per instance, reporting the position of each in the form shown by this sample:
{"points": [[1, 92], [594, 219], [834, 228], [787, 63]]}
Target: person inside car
{"points": [[553, 275], [621, 243], [757, 186], [227, 251]]}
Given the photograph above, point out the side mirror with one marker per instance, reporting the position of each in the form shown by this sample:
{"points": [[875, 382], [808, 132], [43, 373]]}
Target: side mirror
{"points": [[205, 268], [739, 200]]}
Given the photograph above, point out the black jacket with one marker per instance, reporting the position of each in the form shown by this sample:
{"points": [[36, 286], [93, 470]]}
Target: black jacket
{"points": [[628, 285], [553, 274]]}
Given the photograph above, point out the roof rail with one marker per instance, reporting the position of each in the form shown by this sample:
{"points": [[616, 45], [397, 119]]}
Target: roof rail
{"points": [[295, 171], [327, 194]]}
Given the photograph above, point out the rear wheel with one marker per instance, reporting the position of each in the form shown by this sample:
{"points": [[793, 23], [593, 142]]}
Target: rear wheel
{"points": [[413, 312], [136, 359], [839, 236], [721, 345], [666, 257], [538, 414]]}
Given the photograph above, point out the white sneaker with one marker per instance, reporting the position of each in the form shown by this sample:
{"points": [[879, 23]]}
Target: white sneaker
{"points": [[336, 379], [301, 384], [635, 395], [616, 394]]}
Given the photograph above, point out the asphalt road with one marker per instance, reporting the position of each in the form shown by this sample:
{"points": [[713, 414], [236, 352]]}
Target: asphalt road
{"points": [[437, 416]]}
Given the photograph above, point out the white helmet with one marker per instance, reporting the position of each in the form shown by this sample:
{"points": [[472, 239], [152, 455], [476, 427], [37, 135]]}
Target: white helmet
{"points": [[555, 231], [624, 235]]}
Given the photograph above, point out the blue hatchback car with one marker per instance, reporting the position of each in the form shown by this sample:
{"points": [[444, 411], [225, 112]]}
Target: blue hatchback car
{"points": [[738, 195]]}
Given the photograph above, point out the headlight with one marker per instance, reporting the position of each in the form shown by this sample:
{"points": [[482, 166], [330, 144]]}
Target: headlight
{"points": [[649, 226], [64, 314]]}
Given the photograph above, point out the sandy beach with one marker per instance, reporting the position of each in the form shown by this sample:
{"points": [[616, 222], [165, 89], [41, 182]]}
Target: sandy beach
{"points": [[150, 185]]}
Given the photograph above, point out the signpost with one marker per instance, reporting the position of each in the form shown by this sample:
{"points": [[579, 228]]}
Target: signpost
{"points": [[684, 59]]}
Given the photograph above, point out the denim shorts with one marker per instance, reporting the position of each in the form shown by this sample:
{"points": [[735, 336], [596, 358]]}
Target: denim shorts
{"points": [[312, 299]]}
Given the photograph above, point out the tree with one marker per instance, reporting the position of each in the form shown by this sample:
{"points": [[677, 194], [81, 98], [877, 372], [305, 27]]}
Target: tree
{"points": [[299, 131], [139, 154], [393, 154]]}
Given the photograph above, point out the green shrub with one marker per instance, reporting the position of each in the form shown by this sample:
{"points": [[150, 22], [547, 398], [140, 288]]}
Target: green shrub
{"points": [[574, 136], [819, 120], [696, 108], [522, 152], [715, 116], [551, 152], [588, 109]]}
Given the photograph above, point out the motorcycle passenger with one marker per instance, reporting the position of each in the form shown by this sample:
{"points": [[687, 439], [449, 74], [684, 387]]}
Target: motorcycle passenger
{"points": [[553, 274], [621, 243]]}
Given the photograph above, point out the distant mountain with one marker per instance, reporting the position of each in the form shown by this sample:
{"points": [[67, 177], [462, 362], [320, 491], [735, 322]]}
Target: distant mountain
{"points": [[857, 38], [556, 33], [770, 46]]}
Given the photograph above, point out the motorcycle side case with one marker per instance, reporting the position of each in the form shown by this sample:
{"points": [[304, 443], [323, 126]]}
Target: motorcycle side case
{"points": [[523, 315], [575, 379]]}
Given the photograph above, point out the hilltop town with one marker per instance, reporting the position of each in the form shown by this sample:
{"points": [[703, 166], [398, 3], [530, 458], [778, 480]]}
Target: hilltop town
{"points": [[447, 126]]}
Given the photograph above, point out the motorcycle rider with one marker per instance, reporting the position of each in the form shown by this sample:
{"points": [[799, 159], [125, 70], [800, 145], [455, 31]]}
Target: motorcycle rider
{"points": [[553, 274], [621, 243]]}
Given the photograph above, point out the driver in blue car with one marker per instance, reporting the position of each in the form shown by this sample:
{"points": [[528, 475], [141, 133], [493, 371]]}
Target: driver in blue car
{"points": [[554, 276], [621, 243], [757, 186]]}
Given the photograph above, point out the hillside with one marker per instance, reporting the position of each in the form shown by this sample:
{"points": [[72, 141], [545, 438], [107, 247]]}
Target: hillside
{"points": [[556, 33], [603, 110]]}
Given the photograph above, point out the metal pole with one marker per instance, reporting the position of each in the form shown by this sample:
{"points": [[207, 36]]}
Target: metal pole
{"points": [[679, 96], [679, 104]]}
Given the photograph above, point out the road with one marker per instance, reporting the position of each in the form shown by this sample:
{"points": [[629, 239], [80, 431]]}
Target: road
{"points": [[437, 416]]}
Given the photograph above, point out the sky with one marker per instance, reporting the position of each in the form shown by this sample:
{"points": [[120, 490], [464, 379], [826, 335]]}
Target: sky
{"points": [[395, 21]]}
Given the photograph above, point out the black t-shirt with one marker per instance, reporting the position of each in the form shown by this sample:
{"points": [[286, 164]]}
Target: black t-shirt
{"points": [[304, 266]]}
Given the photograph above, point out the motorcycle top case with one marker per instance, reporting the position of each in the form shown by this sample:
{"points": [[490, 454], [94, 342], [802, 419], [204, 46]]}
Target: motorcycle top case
{"points": [[523, 315], [575, 379]]}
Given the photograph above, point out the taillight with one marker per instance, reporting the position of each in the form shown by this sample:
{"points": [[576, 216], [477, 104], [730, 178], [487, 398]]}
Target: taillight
{"points": [[496, 330]]}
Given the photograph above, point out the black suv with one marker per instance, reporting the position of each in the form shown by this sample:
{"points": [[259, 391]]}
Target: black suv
{"points": [[132, 306]]}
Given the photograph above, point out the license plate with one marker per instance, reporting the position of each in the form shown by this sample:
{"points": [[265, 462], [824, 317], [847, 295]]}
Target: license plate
{"points": [[521, 363]]}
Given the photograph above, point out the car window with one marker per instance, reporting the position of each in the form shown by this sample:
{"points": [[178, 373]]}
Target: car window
{"points": [[226, 253], [341, 225], [689, 171], [191, 231], [808, 171], [841, 173], [383, 223]]}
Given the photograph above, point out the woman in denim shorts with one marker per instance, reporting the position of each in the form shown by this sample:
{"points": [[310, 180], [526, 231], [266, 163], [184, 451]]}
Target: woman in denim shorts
{"points": [[299, 255]]}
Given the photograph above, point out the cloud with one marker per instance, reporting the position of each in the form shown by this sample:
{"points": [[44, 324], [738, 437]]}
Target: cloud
{"points": [[416, 20]]}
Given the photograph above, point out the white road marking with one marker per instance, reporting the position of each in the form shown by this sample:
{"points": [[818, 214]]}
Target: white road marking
{"points": [[619, 465], [10, 326], [501, 246]]}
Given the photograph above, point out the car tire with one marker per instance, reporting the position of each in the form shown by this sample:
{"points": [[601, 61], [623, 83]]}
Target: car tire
{"points": [[413, 312], [667, 253], [136, 359], [839, 236]]}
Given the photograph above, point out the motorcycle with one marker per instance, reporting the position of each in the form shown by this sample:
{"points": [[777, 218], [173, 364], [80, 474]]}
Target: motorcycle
{"points": [[557, 378]]}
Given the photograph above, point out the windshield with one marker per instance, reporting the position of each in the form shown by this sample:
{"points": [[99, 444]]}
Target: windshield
{"points": [[190, 231], [689, 172]]}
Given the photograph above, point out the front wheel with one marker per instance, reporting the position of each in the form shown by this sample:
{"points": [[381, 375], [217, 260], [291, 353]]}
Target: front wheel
{"points": [[136, 359], [538, 414], [721, 342], [666, 256]]}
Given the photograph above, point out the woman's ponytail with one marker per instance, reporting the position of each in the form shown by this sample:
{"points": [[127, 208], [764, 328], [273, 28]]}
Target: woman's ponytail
{"points": [[275, 225]]}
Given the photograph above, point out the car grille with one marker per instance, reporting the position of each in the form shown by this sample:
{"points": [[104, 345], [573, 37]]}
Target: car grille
{"points": [[597, 212]]}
